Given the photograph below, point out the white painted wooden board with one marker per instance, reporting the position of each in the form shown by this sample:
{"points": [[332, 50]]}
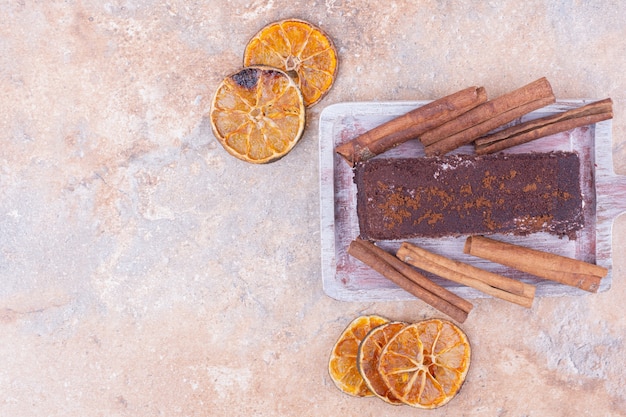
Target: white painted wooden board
{"points": [[347, 279]]}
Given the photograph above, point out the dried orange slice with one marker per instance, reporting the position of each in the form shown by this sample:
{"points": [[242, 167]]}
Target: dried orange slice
{"points": [[368, 357], [342, 365], [300, 49], [425, 364], [258, 114]]}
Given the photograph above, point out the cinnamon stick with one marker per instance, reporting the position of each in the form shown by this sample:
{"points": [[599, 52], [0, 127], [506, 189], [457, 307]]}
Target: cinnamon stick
{"points": [[372, 259], [416, 277], [545, 126], [545, 265], [495, 280], [410, 125], [487, 116], [487, 282]]}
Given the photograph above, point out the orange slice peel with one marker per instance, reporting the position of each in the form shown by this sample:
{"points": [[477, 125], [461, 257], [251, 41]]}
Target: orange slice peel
{"points": [[258, 114], [300, 49], [368, 358], [425, 363], [342, 365]]}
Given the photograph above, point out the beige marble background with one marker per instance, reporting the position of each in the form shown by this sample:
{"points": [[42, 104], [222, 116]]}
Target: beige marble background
{"points": [[145, 272]]}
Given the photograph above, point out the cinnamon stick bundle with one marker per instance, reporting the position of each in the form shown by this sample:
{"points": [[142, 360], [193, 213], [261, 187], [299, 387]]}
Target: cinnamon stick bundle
{"points": [[410, 125], [545, 126], [410, 280], [486, 117], [546, 265], [487, 282]]}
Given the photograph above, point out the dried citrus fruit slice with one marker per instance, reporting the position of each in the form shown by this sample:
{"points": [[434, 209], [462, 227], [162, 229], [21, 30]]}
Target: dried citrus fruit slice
{"points": [[300, 49], [258, 114], [342, 365], [425, 363], [369, 354]]}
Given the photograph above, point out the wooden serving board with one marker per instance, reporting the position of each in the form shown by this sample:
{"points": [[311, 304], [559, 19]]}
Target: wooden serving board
{"points": [[347, 279]]}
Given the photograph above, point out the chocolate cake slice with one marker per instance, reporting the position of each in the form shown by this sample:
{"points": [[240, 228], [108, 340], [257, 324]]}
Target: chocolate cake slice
{"points": [[468, 194]]}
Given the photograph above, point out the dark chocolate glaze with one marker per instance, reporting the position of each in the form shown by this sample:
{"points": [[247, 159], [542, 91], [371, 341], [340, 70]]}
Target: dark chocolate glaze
{"points": [[468, 194]]}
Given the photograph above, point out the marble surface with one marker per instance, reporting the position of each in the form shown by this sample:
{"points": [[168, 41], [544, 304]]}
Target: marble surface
{"points": [[145, 272]]}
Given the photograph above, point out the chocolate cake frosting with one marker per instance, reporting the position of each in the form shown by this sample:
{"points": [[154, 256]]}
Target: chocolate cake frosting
{"points": [[469, 194]]}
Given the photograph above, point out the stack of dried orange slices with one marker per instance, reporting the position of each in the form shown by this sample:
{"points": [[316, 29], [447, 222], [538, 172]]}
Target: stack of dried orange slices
{"points": [[258, 113], [422, 364]]}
